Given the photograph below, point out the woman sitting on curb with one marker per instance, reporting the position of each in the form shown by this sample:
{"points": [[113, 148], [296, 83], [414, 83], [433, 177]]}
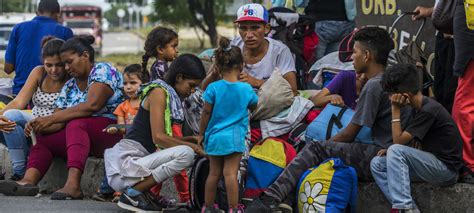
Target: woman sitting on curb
{"points": [[42, 87], [134, 165], [84, 108]]}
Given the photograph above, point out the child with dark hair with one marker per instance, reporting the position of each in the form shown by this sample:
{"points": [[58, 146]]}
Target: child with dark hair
{"points": [[133, 77], [134, 165], [224, 125], [371, 48], [162, 44], [440, 158], [343, 90]]}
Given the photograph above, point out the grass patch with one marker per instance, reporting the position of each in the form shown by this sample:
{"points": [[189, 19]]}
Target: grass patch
{"points": [[120, 61], [2, 70], [192, 46], [186, 45]]}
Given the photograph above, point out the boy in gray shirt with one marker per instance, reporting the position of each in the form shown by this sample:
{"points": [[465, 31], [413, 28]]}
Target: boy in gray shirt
{"points": [[371, 49]]}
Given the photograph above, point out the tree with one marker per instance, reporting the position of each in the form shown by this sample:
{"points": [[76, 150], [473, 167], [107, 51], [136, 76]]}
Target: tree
{"points": [[13, 6], [111, 15], [195, 13]]}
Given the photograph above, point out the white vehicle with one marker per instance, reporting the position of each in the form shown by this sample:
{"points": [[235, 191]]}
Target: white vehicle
{"points": [[7, 21]]}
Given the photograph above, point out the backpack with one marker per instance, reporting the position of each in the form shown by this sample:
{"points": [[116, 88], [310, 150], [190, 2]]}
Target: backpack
{"points": [[296, 136], [267, 160], [412, 54], [331, 121], [329, 187], [469, 9], [197, 183]]}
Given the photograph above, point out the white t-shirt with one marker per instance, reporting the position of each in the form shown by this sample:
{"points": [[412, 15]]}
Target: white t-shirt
{"points": [[278, 55]]}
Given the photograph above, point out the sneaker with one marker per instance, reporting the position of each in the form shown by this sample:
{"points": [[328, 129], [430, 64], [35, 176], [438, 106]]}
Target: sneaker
{"points": [[137, 203], [103, 197], [163, 201], [416, 210], [213, 209], [239, 209], [166, 202], [262, 204], [466, 176]]}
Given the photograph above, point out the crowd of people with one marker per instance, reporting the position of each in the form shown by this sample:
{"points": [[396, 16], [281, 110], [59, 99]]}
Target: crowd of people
{"points": [[134, 119]]}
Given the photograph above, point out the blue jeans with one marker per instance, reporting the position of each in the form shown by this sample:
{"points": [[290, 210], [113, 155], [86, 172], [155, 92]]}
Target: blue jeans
{"points": [[16, 140], [403, 164], [330, 34]]}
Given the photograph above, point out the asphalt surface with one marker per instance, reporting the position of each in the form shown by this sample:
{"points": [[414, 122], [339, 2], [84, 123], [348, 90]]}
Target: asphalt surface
{"points": [[115, 43], [121, 42], [44, 204]]}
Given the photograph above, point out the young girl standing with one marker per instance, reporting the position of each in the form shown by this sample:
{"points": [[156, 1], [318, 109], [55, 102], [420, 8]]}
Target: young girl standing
{"points": [[224, 124], [162, 44]]}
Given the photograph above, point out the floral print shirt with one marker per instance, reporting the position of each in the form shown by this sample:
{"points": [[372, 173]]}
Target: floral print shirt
{"points": [[105, 73]]}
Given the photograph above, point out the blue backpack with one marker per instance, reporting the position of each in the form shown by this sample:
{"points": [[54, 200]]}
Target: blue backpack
{"points": [[331, 121], [329, 187]]}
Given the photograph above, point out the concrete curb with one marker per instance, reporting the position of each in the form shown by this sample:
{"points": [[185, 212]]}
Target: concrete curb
{"points": [[457, 198], [429, 198], [91, 179]]}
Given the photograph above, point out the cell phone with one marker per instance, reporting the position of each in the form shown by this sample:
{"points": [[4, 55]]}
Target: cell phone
{"points": [[119, 126], [33, 138]]}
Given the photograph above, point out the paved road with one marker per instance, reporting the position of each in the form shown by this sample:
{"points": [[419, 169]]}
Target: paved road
{"points": [[121, 42], [115, 43], [44, 204]]}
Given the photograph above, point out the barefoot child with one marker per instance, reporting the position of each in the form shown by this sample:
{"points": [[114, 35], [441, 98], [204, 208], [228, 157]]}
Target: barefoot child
{"points": [[224, 124]]}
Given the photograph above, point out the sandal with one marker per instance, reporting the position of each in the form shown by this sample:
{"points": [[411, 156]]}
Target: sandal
{"points": [[65, 196], [12, 188]]}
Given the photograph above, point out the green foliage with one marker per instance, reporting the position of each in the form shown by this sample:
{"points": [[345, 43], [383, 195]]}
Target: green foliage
{"points": [[8, 6], [202, 14], [174, 12], [177, 12], [111, 15]]}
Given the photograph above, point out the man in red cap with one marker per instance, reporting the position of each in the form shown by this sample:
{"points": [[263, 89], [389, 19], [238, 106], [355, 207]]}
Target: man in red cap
{"points": [[262, 56]]}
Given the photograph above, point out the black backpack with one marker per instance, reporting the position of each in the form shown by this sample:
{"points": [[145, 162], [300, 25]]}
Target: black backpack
{"points": [[197, 183], [412, 54]]}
